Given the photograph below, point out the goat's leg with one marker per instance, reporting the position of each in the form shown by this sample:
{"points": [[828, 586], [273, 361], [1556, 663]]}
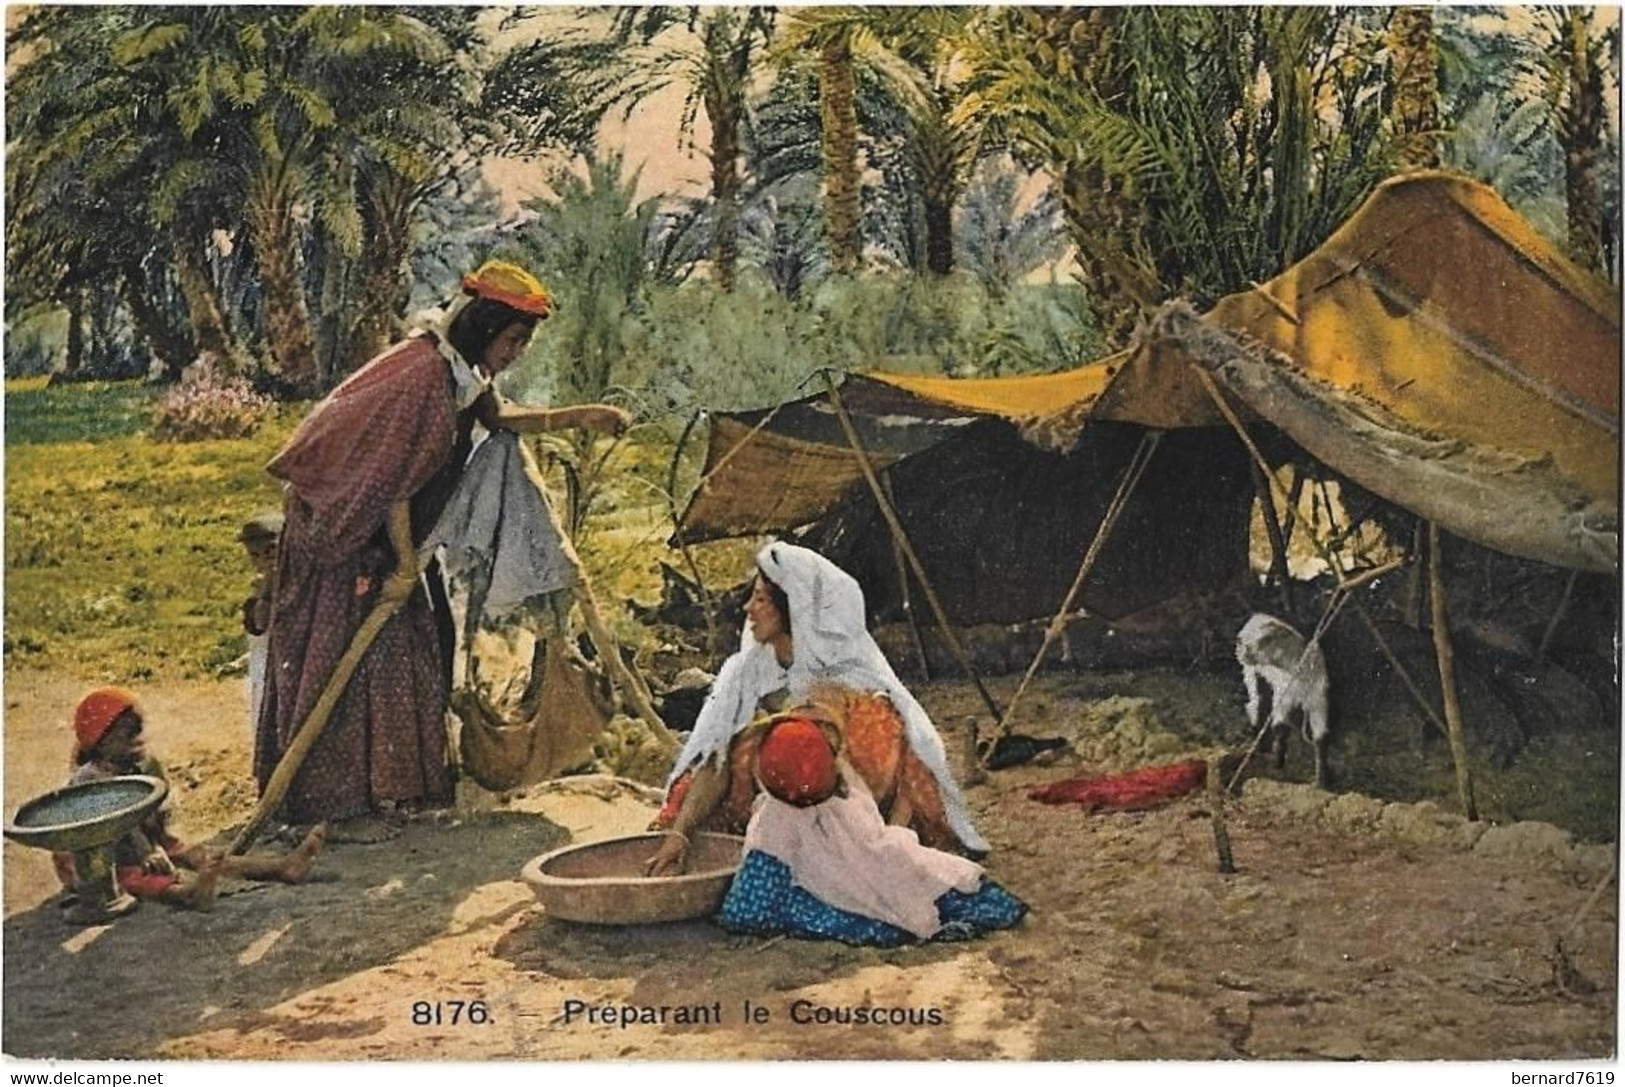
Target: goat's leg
{"points": [[1250, 679]]}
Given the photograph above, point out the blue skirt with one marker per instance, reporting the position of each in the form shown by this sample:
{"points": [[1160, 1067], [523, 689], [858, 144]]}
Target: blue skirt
{"points": [[765, 901]]}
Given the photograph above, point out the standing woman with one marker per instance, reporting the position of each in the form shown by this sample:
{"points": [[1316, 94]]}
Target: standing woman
{"points": [[366, 476]]}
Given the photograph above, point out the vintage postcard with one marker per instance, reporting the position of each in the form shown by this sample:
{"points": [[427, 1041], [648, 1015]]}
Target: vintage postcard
{"points": [[811, 533]]}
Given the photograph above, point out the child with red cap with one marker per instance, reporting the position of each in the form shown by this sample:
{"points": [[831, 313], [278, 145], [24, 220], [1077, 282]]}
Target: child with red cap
{"points": [[821, 863], [149, 861]]}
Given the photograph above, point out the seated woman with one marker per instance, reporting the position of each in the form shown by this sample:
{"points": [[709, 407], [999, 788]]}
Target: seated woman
{"points": [[805, 637], [820, 863]]}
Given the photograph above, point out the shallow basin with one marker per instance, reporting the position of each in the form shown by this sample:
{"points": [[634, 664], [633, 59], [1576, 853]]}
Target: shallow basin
{"points": [[602, 883], [88, 816]]}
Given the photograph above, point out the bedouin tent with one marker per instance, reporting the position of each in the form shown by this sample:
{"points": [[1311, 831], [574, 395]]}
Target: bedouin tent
{"points": [[1435, 350]]}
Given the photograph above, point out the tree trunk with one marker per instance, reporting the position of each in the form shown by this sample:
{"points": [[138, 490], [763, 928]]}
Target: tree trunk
{"points": [[1105, 228], [939, 235], [1580, 132], [724, 117], [384, 293], [208, 321], [276, 249], [1415, 108], [838, 109], [173, 347], [727, 59], [933, 156], [74, 362]]}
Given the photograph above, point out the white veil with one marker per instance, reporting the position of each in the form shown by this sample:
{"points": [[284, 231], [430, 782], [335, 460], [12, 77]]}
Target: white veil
{"points": [[832, 644]]}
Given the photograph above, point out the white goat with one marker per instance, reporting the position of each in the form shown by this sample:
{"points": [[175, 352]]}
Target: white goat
{"points": [[1295, 672]]}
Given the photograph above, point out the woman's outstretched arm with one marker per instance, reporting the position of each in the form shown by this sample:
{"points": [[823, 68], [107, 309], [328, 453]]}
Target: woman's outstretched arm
{"points": [[706, 790]]}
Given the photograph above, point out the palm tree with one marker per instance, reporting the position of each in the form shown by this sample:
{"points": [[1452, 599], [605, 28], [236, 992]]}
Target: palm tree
{"points": [[591, 241], [277, 97], [643, 51], [910, 52], [997, 241], [1415, 89], [833, 34], [90, 182], [1195, 150], [1575, 82]]}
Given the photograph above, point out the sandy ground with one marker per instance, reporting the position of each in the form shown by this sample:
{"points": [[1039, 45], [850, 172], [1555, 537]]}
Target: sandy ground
{"points": [[1326, 944]]}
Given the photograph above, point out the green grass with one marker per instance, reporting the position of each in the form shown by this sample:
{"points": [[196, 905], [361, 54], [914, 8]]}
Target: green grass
{"points": [[122, 559], [89, 412]]}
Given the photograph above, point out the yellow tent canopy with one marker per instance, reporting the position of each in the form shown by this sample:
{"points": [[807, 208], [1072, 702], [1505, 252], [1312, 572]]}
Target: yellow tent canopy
{"points": [[1436, 350]]}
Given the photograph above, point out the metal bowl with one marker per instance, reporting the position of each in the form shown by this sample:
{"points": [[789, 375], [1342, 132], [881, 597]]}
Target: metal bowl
{"points": [[602, 883], [88, 816]]}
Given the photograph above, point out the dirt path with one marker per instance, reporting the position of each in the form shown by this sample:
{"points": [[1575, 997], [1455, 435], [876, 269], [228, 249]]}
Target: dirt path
{"points": [[1323, 945]]}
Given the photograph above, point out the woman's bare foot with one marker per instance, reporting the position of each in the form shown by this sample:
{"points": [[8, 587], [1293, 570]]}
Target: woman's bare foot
{"points": [[298, 864]]}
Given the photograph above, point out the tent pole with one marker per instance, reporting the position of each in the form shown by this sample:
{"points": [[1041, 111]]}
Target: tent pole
{"points": [[1125, 487], [1413, 587], [1272, 528], [682, 542], [1447, 672], [631, 685], [902, 585], [1291, 522], [1557, 616], [901, 539]]}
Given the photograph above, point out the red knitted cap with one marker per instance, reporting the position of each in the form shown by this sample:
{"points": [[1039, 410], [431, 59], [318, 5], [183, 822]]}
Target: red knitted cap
{"points": [[796, 763], [96, 713]]}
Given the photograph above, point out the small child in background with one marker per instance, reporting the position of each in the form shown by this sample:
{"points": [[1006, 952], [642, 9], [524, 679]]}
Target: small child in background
{"points": [[149, 861], [260, 535]]}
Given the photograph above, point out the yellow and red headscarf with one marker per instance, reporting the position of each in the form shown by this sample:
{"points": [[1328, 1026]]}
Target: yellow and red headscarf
{"points": [[505, 282]]}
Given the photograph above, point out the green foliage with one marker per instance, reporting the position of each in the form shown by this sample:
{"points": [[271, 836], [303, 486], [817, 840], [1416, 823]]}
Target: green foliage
{"points": [[122, 560], [589, 243], [1231, 141], [90, 411]]}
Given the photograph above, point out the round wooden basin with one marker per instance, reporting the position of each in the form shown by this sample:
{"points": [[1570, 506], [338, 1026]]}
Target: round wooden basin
{"points": [[602, 883], [88, 816]]}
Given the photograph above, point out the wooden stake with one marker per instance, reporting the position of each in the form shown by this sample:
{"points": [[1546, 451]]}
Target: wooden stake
{"points": [[1221, 834], [310, 730], [1447, 672], [901, 539], [902, 586]]}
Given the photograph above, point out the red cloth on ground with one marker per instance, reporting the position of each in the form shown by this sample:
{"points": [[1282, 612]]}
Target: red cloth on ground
{"points": [[388, 434], [1132, 790]]}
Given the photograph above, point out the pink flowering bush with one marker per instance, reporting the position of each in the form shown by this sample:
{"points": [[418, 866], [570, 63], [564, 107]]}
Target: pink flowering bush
{"points": [[208, 403]]}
